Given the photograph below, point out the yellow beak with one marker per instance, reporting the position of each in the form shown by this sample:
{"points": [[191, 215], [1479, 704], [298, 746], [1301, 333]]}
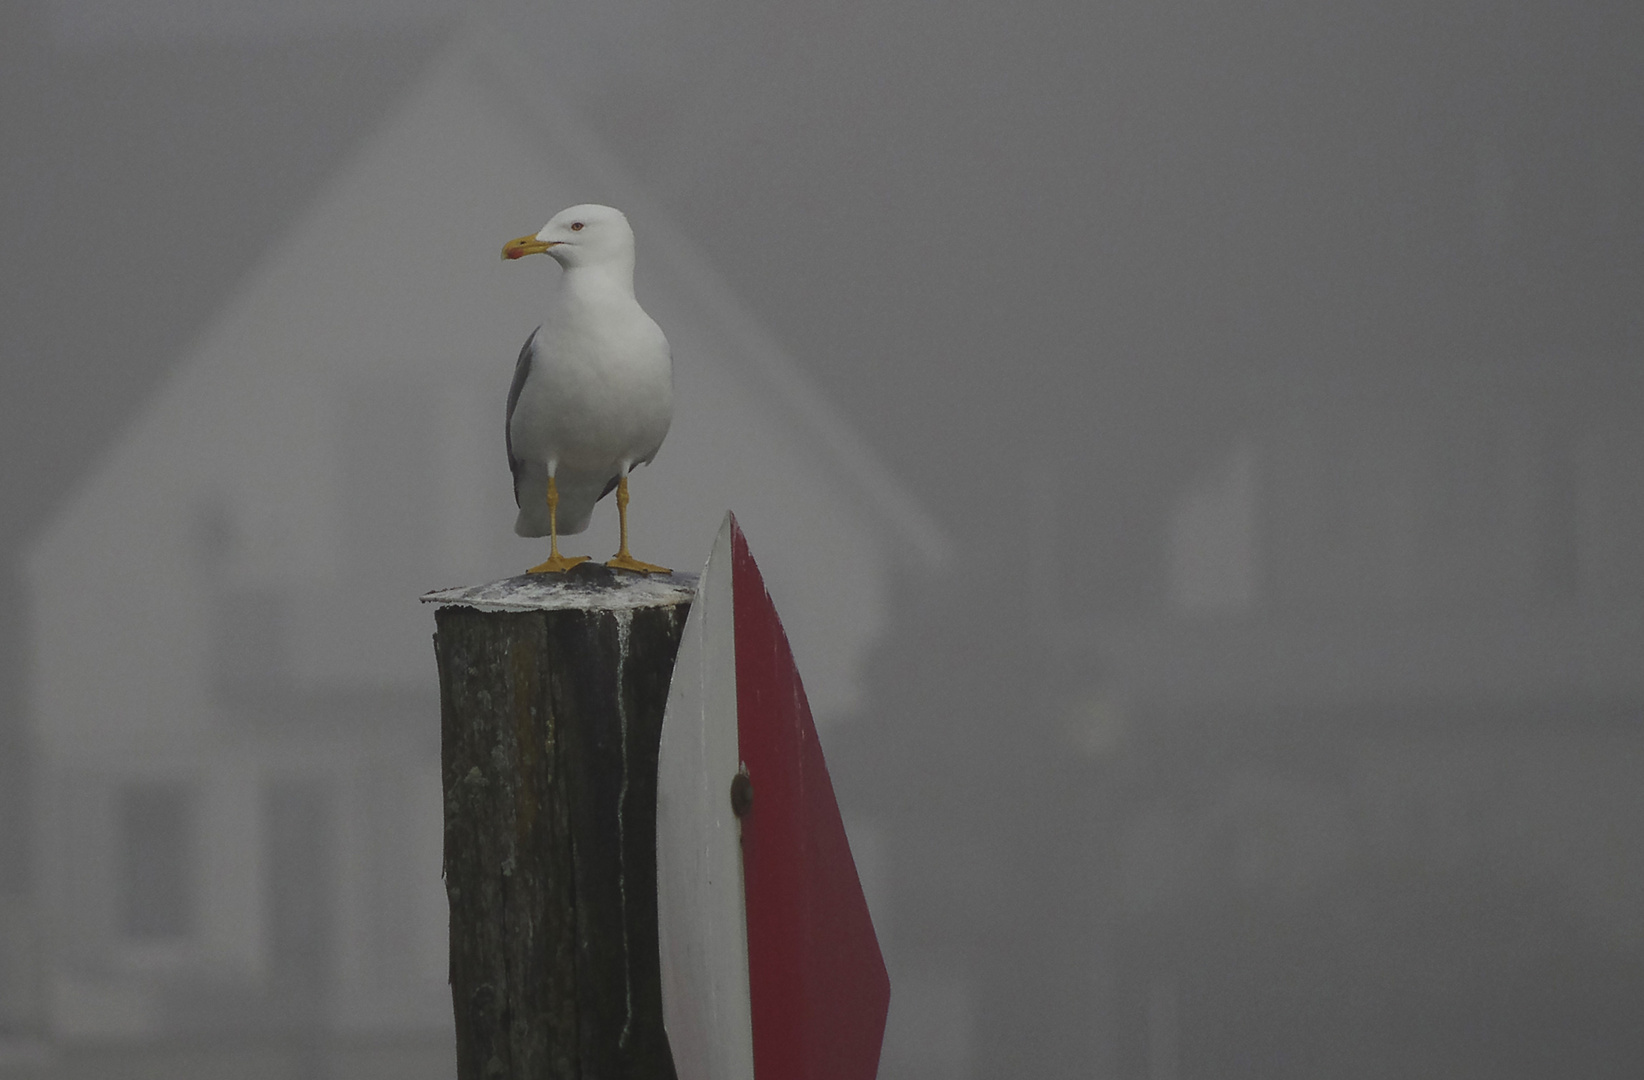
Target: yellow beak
{"points": [[526, 245]]}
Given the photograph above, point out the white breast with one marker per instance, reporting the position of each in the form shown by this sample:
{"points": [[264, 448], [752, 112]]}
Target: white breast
{"points": [[599, 396]]}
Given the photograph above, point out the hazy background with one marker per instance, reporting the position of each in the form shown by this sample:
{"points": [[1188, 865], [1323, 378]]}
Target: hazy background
{"points": [[1192, 764]]}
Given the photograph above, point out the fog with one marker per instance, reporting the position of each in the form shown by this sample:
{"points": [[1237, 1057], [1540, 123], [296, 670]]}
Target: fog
{"points": [[1197, 452]]}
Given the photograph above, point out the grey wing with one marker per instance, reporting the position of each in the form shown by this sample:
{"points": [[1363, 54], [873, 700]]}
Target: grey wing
{"points": [[522, 370]]}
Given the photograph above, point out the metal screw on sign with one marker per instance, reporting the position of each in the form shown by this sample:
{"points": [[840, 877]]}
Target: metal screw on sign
{"points": [[741, 795]]}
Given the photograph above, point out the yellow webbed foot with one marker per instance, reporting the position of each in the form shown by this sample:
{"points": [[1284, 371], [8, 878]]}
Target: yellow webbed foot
{"points": [[624, 561], [557, 564]]}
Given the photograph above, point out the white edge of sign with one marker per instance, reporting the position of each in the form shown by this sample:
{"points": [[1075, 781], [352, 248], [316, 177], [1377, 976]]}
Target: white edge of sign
{"points": [[702, 920]]}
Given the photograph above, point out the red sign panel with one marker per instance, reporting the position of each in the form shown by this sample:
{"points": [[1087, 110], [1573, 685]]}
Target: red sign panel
{"points": [[818, 987]]}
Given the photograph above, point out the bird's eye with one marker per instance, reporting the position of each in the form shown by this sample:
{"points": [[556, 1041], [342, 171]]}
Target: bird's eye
{"points": [[576, 226]]}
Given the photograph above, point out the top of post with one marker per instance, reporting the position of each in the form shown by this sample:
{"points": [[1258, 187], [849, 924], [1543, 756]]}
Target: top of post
{"points": [[587, 587]]}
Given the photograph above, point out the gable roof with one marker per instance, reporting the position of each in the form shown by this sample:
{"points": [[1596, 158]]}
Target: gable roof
{"points": [[385, 316]]}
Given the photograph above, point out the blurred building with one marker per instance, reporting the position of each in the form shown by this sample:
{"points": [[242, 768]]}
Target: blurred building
{"points": [[233, 695], [1281, 718], [1357, 797]]}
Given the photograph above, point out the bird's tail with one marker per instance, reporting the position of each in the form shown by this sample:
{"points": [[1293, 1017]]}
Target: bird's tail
{"points": [[576, 507]]}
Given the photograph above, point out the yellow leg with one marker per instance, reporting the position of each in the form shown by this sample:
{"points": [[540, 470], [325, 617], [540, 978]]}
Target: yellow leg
{"points": [[622, 560], [557, 563]]}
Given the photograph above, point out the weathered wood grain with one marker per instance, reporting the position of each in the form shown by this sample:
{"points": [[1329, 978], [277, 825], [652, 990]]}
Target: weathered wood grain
{"points": [[550, 722]]}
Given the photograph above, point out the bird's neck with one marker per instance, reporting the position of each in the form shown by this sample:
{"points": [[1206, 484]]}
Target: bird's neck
{"points": [[613, 279]]}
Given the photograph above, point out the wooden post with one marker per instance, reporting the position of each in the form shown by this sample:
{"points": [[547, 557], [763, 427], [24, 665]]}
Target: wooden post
{"points": [[552, 690]]}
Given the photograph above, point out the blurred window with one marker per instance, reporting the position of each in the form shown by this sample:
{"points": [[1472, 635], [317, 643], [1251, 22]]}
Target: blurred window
{"points": [[155, 883]]}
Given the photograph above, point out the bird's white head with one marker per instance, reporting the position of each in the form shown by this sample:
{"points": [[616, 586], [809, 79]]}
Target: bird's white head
{"points": [[584, 235]]}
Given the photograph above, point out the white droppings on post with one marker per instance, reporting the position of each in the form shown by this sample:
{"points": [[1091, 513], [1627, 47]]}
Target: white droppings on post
{"points": [[543, 592], [624, 622]]}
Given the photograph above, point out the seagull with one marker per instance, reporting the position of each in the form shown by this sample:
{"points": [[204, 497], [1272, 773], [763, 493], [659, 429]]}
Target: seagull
{"points": [[592, 395]]}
